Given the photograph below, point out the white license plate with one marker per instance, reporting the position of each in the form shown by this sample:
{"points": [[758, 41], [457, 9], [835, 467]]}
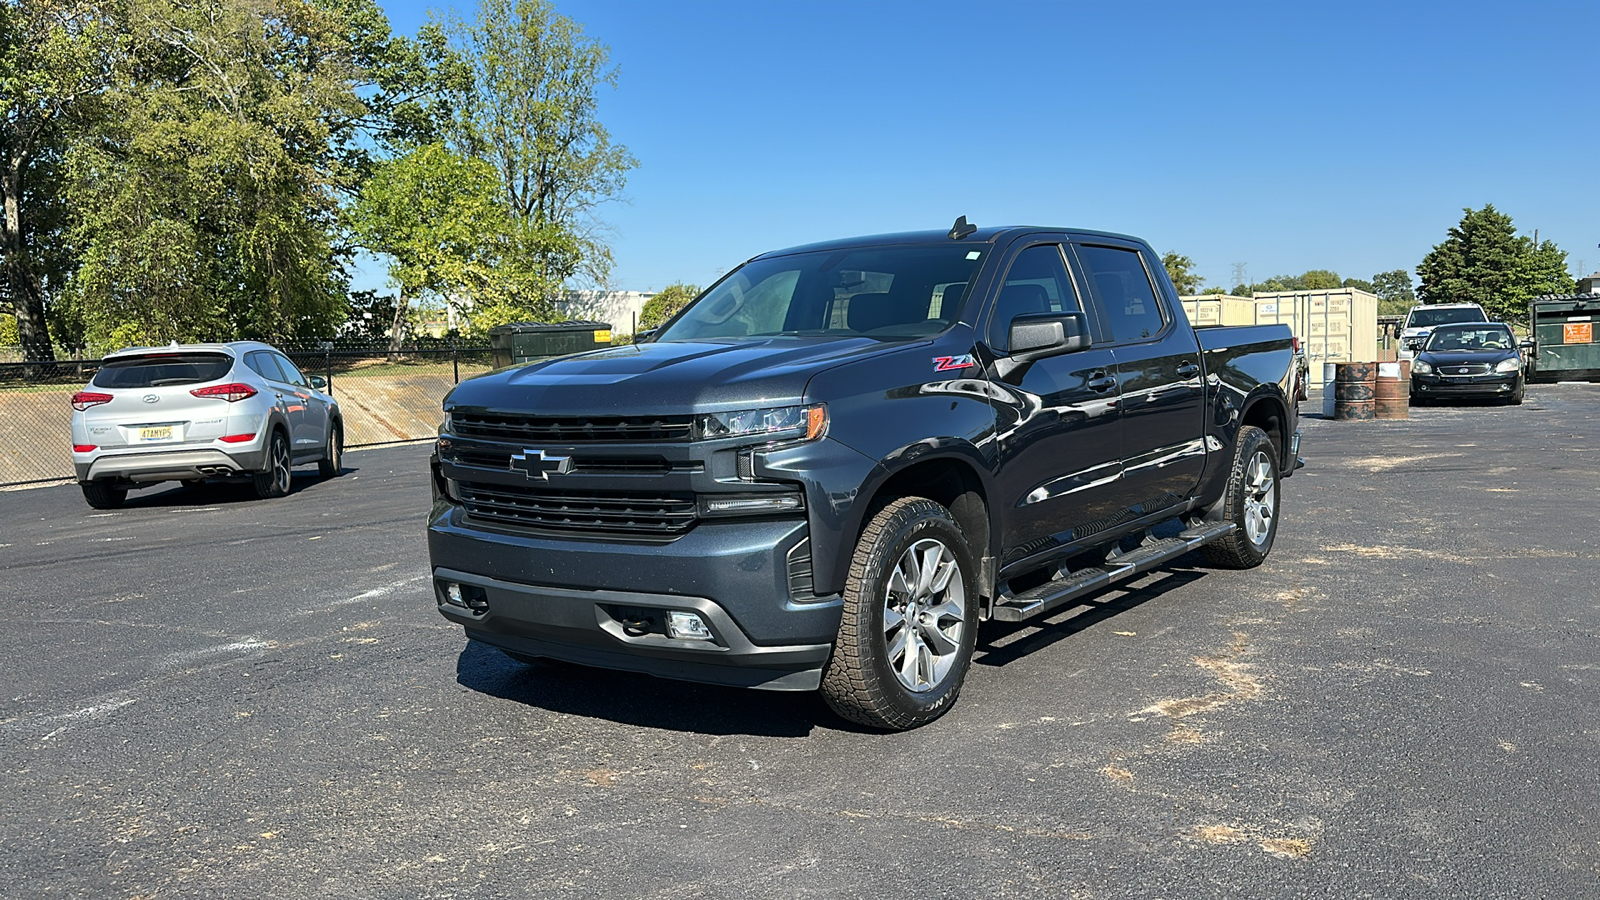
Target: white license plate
{"points": [[156, 433]]}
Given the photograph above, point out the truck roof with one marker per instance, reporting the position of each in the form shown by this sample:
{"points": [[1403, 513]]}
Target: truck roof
{"points": [[987, 235]]}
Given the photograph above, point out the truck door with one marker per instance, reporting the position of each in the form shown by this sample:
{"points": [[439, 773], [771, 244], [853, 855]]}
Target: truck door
{"points": [[1058, 427], [1158, 371]]}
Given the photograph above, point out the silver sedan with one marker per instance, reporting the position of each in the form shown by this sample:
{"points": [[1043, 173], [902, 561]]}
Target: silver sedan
{"points": [[191, 412]]}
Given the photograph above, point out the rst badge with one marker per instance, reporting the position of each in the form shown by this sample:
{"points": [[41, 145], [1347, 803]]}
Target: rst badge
{"points": [[952, 363]]}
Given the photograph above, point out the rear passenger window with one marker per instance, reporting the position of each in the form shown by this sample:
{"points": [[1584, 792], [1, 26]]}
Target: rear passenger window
{"points": [[1126, 296], [1036, 283], [264, 365]]}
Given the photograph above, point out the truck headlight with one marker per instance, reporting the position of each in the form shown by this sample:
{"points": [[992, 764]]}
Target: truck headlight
{"points": [[806, 423], [1507, 366], [1421, 367]]}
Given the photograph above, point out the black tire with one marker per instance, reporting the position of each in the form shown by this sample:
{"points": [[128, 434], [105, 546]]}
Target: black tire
{"points": [[1516, 396], [331, 465], [275, 479], [1250, 502], [102, 495], [866, 679]]}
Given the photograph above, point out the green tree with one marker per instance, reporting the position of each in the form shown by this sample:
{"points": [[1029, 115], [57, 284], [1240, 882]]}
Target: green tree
{"points": [[436, 216], [1395, 294], [666, 303], [1483, 260], [1360, 284], [207, 198], [531, 111], [1319, 280], [1180, 269], [53, 62]]}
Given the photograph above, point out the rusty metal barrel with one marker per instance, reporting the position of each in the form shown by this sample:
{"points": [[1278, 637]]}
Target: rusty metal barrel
{"points": [[1391, 395], [1354, 385]]}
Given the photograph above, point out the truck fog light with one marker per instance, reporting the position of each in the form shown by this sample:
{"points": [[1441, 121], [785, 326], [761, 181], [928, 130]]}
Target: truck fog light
{"points": [[687, 626], [452, 595]]}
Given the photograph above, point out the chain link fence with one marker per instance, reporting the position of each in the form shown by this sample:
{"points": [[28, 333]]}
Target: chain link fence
{"points": [[386, 396]]}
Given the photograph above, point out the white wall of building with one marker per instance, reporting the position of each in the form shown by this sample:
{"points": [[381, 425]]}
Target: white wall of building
{"points": [[619, 309]]}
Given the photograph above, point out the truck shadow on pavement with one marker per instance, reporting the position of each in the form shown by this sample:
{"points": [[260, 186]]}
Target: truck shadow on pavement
{"points": [[633, 699]]}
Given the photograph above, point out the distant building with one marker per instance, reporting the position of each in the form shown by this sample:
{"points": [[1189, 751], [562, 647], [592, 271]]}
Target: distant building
{"points": [[1589, 285], [619, 309]]}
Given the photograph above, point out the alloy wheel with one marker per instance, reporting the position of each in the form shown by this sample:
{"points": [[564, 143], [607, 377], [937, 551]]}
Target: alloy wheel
{"points": [[1260, 499], [924, 615]]}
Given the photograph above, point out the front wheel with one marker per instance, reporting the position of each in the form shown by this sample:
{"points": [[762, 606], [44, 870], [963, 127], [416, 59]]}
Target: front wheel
{"points": [[274, 480], [1250, 502], [909, 622]]}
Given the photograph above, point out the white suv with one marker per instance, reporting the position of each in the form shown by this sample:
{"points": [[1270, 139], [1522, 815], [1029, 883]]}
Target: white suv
{"points": [[240, 411], [1421, 320]]}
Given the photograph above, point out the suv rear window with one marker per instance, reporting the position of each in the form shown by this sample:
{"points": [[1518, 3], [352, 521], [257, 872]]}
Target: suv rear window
{"points": [[162, 369]]}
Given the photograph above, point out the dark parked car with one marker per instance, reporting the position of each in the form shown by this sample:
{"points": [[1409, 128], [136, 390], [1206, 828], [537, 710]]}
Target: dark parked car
{"points": [[1477, 360]]}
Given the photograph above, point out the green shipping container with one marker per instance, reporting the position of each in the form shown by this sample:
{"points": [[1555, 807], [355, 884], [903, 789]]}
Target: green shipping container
{"points": [[1564, 336], [528, 341]]}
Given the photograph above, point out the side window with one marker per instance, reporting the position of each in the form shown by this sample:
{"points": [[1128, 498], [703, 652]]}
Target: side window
{"points": [[261, 362], [1127, 299], [290, 373], [1036, 283]]}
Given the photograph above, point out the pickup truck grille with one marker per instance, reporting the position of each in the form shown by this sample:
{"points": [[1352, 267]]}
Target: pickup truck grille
{"points": [[500, 459], [568, 430], [599, 512]]}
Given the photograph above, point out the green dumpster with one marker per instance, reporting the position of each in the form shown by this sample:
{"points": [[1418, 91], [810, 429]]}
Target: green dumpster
{"points": [[1564, 339], [528, 341]]}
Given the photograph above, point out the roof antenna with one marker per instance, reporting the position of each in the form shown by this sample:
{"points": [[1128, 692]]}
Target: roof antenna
{"points": [[961, 229]]}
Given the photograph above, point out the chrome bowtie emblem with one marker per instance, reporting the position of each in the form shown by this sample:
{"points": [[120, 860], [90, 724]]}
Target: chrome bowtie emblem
{"points": [[541, 465], [151, 398]]}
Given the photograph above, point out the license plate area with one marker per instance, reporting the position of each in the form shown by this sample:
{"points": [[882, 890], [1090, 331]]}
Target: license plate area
{"points": [[154, 434]]}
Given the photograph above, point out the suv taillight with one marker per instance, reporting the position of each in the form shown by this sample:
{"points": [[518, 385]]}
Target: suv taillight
{"points": [[232, 393], [82, 400]]}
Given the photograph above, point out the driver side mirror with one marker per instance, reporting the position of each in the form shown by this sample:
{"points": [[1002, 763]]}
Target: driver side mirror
{"points": [[1038, 336], [643, 337], [318, 382]]}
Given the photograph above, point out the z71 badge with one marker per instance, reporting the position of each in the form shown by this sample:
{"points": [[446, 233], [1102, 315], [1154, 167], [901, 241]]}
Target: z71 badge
{"points": [[951, 363]]}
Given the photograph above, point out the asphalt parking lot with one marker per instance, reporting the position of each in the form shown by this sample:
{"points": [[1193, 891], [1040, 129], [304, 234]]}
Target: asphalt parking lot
{"points": [[207, 695]]}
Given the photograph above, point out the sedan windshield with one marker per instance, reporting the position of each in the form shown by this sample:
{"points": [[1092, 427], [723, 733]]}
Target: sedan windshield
{"points": [[1460, 339], [885, 292], [1427, 318]]}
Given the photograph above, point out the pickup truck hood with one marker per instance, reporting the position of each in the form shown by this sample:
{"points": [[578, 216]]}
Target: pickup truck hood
{"points": [[668, 377]]}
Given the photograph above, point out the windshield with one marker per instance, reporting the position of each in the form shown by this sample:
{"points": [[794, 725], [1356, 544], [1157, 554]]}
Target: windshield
{"points": [[1427, 318], [1470, 340], [884, 292], [162, 369]]}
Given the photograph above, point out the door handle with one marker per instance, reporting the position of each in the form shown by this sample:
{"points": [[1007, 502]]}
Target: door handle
{"points": [[1188, 370], [1102, 384]]}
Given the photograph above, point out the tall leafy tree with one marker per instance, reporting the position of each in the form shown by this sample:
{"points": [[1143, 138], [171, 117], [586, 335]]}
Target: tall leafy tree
{"points": [[1395, 293], [207, 200], [532, 111], [1180, 269], [53, 65], [1483, 260], [666, 303]]}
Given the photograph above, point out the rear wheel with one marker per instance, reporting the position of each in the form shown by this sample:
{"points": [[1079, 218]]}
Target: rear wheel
{"points": [[332, 462], [274, 480], [1250, 502], [101, 495], [909, 622]]}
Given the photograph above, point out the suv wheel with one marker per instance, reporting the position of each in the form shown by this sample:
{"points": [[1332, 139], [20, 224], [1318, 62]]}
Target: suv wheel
{"points": [[332, 462], [1251, 503], [909, 622], [274, 481], [102, 495]]}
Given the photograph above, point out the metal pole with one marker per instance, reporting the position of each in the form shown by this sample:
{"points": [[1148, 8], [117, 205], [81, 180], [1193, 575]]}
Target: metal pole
{"points": [[455, 361]]}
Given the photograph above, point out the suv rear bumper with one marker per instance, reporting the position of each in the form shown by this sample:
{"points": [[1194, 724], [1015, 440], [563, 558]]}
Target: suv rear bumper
{"points": [[582, 600], [170, 465]]}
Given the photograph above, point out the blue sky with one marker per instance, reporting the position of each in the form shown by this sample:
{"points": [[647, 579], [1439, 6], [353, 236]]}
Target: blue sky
{"points": [[1344, 136]]}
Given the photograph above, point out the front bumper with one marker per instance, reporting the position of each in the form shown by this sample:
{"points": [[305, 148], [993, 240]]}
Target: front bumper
{"points": [[1491, 385], [581, 600]]}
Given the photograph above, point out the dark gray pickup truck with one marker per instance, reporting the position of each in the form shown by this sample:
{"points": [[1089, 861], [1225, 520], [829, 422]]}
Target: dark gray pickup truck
{"points": [[838, 461]]}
